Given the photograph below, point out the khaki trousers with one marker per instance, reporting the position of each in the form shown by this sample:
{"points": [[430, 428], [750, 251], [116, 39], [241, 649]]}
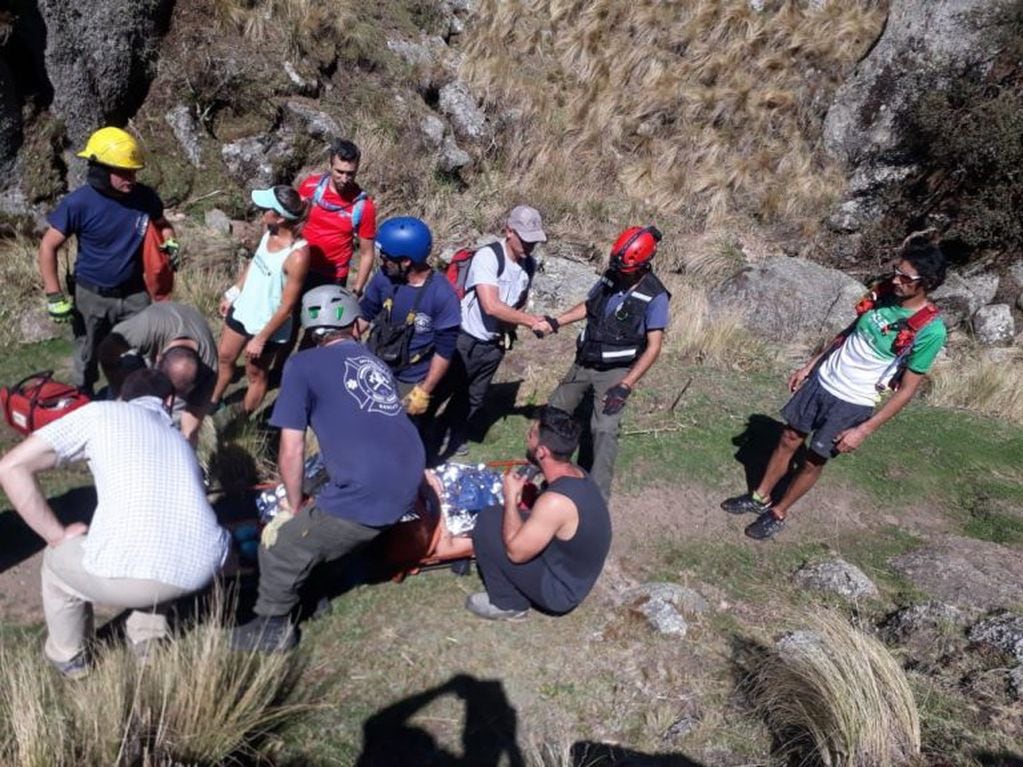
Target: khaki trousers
{"points": [[69, 591]]}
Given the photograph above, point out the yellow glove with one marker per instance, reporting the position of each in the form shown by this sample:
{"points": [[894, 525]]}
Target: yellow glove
{"points": [[269, 535], [416, 401]]}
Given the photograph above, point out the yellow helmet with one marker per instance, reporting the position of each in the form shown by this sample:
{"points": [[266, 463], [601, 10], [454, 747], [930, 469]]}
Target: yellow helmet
{"points": [[115, 148]]}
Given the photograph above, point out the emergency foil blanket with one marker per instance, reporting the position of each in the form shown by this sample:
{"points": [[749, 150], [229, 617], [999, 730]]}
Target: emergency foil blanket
{"points": [[268, 502]]}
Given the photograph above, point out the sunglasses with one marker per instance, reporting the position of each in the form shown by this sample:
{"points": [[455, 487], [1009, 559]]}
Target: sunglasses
{"points": [[898, 274]]}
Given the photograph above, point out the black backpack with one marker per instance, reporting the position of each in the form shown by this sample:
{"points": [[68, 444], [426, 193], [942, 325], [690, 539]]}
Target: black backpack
{"points": [[390, 340]]}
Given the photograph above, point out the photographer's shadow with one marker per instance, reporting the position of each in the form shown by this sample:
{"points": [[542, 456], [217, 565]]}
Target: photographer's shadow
{"points": [[488, 737]]}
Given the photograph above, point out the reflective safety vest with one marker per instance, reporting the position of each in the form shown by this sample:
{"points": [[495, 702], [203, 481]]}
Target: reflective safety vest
{"points": [[616, 339]]}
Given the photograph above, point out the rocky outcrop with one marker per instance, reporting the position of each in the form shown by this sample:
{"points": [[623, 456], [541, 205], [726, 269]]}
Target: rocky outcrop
{"points": [[664, 606], [10, 124], [836, 577], [185, 128], [564, 277], [458, 104], [923, 620], [783, 298], [100, 58], [993, 325], [259, 161], [924, 43], [1004, 631]]}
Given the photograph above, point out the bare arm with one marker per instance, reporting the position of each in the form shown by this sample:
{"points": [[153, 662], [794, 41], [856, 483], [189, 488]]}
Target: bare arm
{"points": [[525, 538], [47, 259], [191, 420], [18, 471], [850, 439], [165, 229], [492, 305], [366, 256], [290, 463], [438, 368], [576, 313], [654, 342]]}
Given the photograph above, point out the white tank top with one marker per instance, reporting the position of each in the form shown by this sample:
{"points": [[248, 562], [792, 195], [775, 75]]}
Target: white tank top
{"points": [[263, 290]]}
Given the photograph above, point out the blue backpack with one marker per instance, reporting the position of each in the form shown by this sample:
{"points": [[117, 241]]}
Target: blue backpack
{"points": [[354, 211]]}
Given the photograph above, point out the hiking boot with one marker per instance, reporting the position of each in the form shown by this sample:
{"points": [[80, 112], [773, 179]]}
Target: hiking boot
{"points": [[265, 634], [480, 604], [766, 526], [744, 504], [75, 668]]}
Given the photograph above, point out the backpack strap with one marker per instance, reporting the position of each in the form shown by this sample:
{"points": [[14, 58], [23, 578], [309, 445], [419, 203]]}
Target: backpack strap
{"points": [[353, 211], [410, 318]]}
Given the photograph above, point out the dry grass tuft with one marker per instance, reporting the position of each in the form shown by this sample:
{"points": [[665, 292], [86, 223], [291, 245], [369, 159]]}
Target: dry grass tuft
{"points": [[835, 696], [718, 339], [193, 701], [981, 384], [699, 110], [20, 284]]}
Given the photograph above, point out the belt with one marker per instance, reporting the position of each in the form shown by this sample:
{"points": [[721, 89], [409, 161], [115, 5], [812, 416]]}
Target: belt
{"points": [[478, 342], [125, 289]]}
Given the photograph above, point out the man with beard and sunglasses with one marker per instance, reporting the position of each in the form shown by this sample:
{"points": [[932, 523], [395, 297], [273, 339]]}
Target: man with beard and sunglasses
{"points": [[550, 557], [892, 345], [626, 313], [414, 312]]}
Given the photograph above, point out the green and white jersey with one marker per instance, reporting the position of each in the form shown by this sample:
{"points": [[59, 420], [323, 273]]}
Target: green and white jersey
{"points": [[867, 359]]}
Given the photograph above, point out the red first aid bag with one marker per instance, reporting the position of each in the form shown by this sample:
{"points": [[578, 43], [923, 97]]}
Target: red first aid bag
{"points": [[38, 400]]}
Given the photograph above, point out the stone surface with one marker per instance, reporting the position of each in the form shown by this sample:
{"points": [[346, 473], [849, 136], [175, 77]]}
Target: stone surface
{"points": [[35, 325], [100, 59], [257, 161], [218, 221], [836, 576], [684, 598], [185, 127], [983, 285], [966, 573], [957, 298], [560, 283], [782, 298], [451, 157], [664, 618], [432, 128], [305, 84], [1003, 631], [1016, 681], [10, 125], [312, 121], [923, 45], [993, 325], [922, 619], [425, 53], [460, 107]]}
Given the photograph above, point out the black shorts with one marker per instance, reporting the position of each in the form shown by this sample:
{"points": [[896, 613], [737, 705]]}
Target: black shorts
{"points": [[813, 409], [238, 328]]}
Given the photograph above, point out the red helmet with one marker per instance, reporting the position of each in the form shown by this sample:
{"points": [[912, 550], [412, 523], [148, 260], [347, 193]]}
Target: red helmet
{"points": [[634, 248]]}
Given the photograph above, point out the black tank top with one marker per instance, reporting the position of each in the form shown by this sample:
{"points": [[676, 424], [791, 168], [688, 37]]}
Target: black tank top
{"points": [[574, 565]]}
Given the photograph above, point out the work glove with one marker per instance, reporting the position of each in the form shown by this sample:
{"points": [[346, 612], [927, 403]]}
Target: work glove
{"points": [[416, 401], [59, 307], [614, 399], [172, 249], [269, 535]]}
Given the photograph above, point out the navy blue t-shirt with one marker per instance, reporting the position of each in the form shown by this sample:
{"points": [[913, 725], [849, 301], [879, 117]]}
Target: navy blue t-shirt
{"points": [[372, 452], [438, 310], [109, 231]]}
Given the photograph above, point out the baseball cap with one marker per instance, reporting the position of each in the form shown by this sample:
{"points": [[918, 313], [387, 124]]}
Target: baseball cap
{"points": [[267, 200], [527, 224]]}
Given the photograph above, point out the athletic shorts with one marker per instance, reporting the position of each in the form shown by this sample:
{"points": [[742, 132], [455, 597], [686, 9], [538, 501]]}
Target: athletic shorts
{"points": [[238, 328], [813, 409]]}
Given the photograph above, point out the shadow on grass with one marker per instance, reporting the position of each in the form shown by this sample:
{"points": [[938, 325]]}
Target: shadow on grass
{"points": [[488, 737], [988, 759], [755, 444], [20, 543]]}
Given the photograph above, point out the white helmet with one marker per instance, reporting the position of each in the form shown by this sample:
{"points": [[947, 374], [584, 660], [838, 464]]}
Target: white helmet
{"points": [[329, 306]]}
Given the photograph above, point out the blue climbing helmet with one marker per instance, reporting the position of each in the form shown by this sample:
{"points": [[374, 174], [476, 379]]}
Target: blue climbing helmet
{"points": [[404, 237]]}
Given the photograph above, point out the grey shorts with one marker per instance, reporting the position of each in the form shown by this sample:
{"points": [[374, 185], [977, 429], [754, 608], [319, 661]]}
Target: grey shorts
{"points": [[814, 409]]}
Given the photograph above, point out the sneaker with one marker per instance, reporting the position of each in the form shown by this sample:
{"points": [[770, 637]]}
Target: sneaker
{"points": [[479, 604], [75, 668], [265, 634], [765, 526], [744, 504]]}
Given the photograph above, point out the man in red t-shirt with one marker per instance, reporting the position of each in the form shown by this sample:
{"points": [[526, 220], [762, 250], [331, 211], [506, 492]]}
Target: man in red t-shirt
{"points": [[339, 212]]}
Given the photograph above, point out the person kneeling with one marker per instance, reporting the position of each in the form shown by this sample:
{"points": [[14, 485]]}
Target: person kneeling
{"points": [[550, 558], [153, 537]]}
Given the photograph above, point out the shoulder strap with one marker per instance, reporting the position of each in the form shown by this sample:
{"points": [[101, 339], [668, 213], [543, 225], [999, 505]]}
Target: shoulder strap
{"points": [[357, 207], [922, 317], [411, 316]]}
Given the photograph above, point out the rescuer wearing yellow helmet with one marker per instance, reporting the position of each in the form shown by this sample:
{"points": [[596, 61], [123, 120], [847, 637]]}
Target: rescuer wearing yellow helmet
{"points": [[109, 216]]}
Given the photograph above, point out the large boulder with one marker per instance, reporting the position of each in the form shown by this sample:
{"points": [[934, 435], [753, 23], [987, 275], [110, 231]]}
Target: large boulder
{"points": [[100, 59], [458, 104], [564, 278], [185, 127], [924, 43], [783, 298], [960, 297], [1004, 631], [993, 325], [836, 577]]}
